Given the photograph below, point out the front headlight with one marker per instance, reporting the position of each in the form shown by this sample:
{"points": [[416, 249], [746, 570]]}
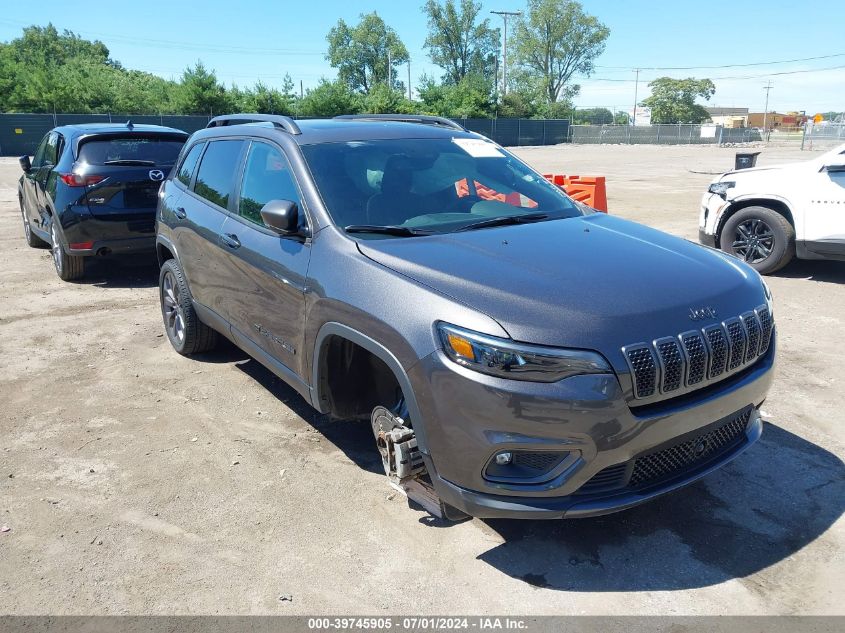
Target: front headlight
{"points": [[518, 361], [721, 188]]}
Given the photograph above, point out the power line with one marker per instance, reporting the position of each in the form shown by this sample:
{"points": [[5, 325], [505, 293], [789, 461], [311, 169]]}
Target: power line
{"points": [[178, 45], [781, 61], [763, 76]]}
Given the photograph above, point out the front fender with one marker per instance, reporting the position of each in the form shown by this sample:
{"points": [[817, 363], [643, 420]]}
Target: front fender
{"points": [[742, 201], [332, 328]]}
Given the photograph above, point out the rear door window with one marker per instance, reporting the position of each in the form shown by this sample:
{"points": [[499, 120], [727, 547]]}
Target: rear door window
{"points": [[216, 174], [186, 169], [51, 151], [131, 150], [38, 158], [267, 177]]}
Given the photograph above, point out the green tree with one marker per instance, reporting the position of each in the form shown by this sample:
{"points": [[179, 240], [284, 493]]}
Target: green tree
{"points": [[556, 40], [593, 116], [458, 41], [673, 100], [329, 99], [518, 104], [361, 53], [471, 97], [383, 100], [200, 93], [46, 71], [267, 100]]}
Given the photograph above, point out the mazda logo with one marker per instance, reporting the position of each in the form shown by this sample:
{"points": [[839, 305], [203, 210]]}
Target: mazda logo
{"points": [[157, 175]]}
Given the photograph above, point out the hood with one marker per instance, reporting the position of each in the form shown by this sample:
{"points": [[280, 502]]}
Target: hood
{"points": [[594, 282]]}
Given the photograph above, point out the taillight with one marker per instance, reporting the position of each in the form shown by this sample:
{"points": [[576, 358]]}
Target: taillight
{"points": [[78, 180]]}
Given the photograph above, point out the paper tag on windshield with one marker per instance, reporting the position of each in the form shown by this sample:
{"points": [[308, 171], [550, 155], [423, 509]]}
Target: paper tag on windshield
{"points": [[478, 148]]}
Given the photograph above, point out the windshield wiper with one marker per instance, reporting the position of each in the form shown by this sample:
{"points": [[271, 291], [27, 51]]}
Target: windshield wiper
{"points": [[391, 229], [130, 161], [505, 220]]}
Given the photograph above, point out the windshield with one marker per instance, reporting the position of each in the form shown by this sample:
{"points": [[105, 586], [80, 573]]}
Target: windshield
{"points": [[151, 150], [430, 185]]}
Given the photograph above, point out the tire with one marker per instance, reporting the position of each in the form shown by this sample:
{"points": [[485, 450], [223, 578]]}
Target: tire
{"points": [[31, 238], [186, 332], [761, 237], [68, 267]]}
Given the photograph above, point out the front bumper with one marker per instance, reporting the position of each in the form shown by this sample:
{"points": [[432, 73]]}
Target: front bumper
{"points": [[469, 417], [706, 238], [710, 214]]}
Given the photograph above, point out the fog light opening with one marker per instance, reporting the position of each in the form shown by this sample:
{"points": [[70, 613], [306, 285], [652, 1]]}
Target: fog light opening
{"points": [[504, 458]]}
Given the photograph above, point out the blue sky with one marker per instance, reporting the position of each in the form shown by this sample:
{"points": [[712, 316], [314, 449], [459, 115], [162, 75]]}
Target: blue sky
{"points": [[251, 39]]}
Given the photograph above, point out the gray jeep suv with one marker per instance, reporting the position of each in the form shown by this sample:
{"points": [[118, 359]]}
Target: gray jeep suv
{"points": [[516, 354]]}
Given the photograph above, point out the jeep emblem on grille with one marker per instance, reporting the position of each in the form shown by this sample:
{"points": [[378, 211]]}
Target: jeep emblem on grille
{"points": [[157, 175], [705, 312]]}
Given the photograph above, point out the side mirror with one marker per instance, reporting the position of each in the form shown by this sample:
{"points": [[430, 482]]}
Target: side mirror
{"points": [[282, 216], [25, 164], [837, 163]]}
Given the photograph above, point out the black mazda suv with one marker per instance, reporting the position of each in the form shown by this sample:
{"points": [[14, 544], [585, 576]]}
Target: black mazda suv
{"points": [[92, 190]]}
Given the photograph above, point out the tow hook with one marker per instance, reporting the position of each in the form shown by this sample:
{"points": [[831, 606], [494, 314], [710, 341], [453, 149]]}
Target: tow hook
{"points": [[404, 466]]}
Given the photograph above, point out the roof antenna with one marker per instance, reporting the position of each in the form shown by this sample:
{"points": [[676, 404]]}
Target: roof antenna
{"points": [[130, 125]]}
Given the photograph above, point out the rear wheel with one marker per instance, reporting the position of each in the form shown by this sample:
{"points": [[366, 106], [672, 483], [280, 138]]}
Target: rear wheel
{"points": [[68, 267], [186, 332], [763, 238]]}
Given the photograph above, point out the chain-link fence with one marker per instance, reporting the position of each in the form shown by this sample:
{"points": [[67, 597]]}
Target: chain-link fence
{"points": [[824, 135], [665, 134]]}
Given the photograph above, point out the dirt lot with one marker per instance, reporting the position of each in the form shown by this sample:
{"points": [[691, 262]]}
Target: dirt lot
{"points": [[137, 481]]}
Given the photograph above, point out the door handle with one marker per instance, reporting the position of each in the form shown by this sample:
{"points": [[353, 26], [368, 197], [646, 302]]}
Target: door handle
{"points": [[180, 213], [231, 240]]}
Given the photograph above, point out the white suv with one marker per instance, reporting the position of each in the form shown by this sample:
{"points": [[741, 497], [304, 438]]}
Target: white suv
{"points": [[768, 215]]}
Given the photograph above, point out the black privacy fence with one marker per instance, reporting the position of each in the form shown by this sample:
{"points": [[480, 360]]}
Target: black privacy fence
{"points": [[21, 133]]}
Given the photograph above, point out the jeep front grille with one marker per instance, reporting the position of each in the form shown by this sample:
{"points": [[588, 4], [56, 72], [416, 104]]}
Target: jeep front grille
{"points": [[643, 370], [766, 331], [695, 358]]}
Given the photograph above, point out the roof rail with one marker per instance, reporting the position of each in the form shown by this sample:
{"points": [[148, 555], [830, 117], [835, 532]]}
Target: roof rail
{"points": [[405, 118], [284, 122]]}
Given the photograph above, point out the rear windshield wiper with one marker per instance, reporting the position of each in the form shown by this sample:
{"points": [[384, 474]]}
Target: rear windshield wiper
{"points": [[505, 220], [399, 231], [130, 161]]}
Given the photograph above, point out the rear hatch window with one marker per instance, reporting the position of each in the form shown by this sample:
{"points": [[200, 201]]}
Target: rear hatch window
{"points": [[152, 151], [132, 168]]}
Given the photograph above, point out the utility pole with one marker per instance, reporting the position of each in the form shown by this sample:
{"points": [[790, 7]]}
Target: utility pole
{"points": [[409, 79], [496, 87], [389, 70], [505, 15], [636, 89], [766, 110]]}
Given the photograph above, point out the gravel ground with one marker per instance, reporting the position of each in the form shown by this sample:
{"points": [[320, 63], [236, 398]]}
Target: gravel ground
{"points": [[133, 480]]}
